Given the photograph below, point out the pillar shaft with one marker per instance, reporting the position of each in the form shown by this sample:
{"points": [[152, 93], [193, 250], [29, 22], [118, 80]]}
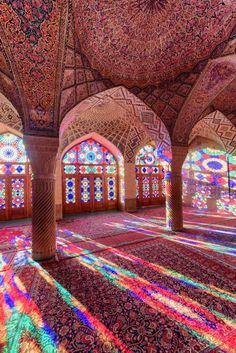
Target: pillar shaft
{"points": [[58, 190], [42, 153], [174, 204], [130, 187]]}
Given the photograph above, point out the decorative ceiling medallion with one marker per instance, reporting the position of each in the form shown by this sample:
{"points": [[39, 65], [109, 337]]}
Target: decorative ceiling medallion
{"points": [[150, 7]]}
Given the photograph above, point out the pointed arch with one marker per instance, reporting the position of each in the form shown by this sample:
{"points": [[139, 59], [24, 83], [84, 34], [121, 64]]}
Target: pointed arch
{"points": [[119, 116], [100, 143], [15, 177], [9, 115], [217, 75], [219, 128]]}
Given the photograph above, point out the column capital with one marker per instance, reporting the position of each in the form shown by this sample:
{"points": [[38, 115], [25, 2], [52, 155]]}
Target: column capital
{"points": [[42, 152], [179, 154], [44, 144], [179, 151]]}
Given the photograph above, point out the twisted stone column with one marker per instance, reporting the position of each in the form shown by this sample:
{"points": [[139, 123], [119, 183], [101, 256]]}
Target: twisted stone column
{"points": [[130, 187], [173, 180], [42, 153]]}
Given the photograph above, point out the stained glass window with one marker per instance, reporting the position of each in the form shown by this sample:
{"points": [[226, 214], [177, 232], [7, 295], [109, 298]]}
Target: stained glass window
{"points": [[146, 187], [213, 172], [98, 189], [85, 190], [2, 194], [69, 169], [9, 168], [70, 190], [149, 176], [17, 193], [12, 149], [111, 186], [147, 156], [94, 169], [71, 156], [111, 169], [15, 167], [155, 187], [89, 152]]}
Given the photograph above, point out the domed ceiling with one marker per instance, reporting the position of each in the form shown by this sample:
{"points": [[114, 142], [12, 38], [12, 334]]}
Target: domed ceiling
{"points": [[147, 41], [226, 101]]}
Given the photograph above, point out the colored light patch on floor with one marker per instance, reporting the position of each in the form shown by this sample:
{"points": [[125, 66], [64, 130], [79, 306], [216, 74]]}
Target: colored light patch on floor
{"points": [[191, 315], [133, 271]]}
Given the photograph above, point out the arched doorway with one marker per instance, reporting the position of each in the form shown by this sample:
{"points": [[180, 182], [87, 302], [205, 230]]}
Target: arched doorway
{"points": [[209, 181], [15, 178], [149, 177], [90, 178]]}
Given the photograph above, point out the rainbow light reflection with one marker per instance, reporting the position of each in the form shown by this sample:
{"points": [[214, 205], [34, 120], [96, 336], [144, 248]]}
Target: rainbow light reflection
{"points": [[44, 333], [19, 314], [213, 327]]}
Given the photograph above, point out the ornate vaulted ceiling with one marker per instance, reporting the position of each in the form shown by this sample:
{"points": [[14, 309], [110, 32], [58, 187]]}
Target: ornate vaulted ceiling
{"points": [[32, 38], [226, 100], [140, 42]]}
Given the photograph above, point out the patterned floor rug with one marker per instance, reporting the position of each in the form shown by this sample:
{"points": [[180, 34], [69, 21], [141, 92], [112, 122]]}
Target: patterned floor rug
{"points": [[121, 283]]}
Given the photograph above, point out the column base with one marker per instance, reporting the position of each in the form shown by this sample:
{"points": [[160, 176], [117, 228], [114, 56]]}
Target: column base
{"points": [[48, 255], [130, 205], [187, 200], [59, 212], [174, 229], [211, 204]]}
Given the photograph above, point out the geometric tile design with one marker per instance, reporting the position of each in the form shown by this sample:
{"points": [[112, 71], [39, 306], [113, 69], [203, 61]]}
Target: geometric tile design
{"points": [[112, 121], [9, 117], [216, 77], [133, 45], [119, 116], [224, 129], [34, 34], [217, 127], [203, 130]]}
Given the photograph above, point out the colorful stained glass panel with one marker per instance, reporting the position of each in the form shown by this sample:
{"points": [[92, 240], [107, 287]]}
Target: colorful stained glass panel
{"points": [[147, 156], [149, 170], [71, 156], [108, 157], [2, 193], [90, 152], [98, 189], [85, 190], [210, 169], [94, 169], [12, 149], [69, 169], [146, 187], [9, 168], [70, 190], [17, 193], [155, 187], [111, 187], [111, 169], [3, 169]]}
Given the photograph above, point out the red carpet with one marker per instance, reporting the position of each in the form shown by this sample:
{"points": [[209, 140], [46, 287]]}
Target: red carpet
{"points": [[126, 285]]}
